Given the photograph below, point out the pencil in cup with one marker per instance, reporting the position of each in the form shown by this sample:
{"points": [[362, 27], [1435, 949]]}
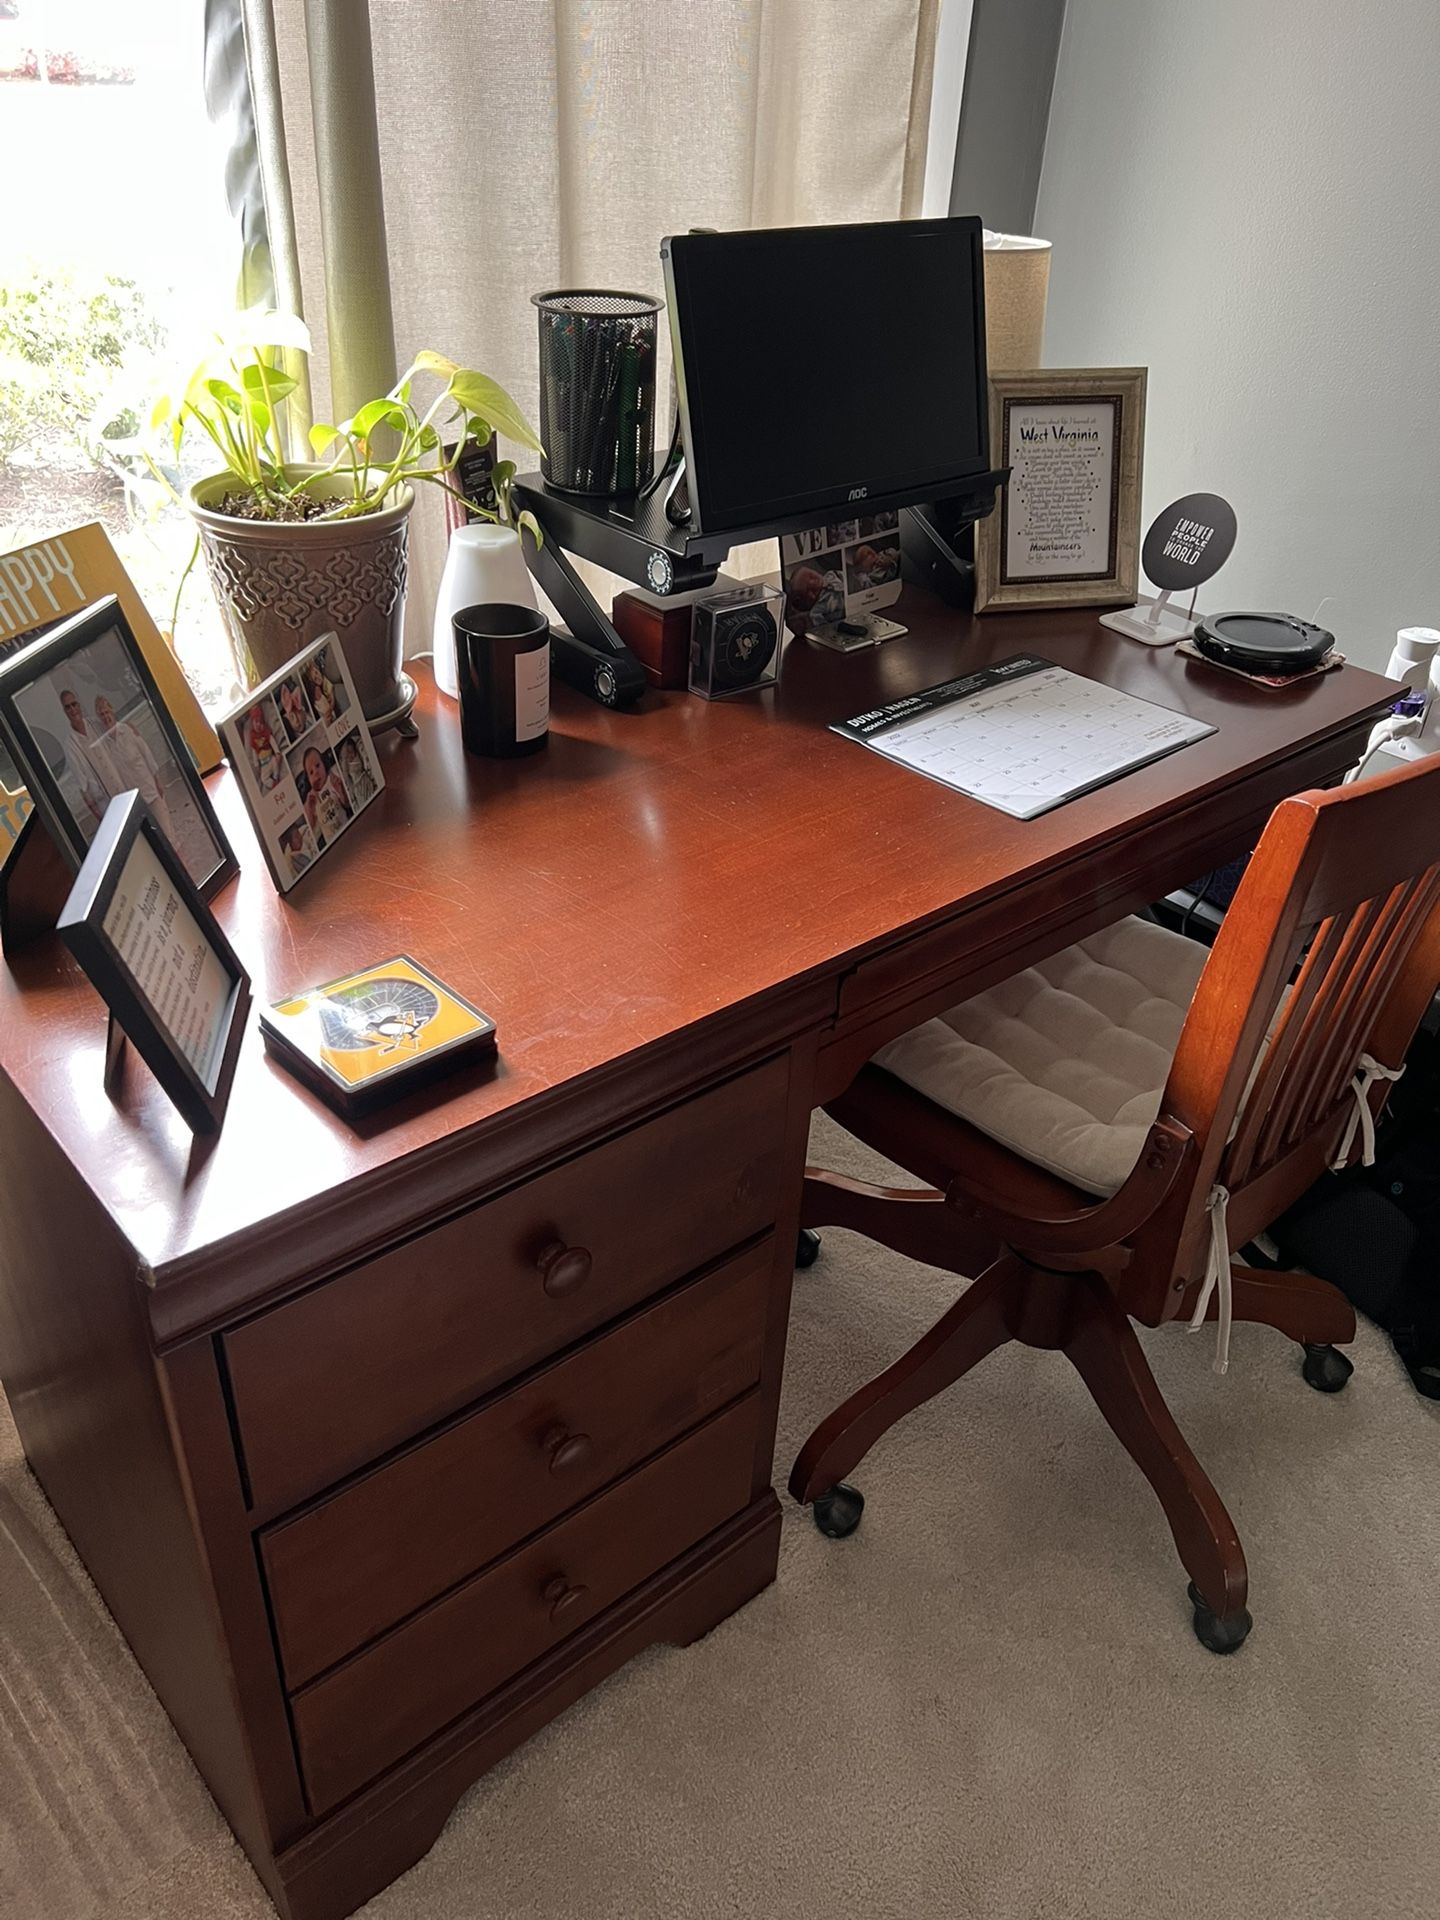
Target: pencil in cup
{"points": [[597, 377]]}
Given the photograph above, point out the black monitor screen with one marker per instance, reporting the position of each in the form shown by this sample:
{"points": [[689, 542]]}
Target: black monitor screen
{"points": [[819, 366]]}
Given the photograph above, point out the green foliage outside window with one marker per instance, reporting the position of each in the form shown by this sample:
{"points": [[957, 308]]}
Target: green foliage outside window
{"points": [[65, 339]]}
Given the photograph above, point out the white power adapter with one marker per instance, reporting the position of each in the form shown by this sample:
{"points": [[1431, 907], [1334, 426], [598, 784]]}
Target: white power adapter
{"points": [[1407, 736]]}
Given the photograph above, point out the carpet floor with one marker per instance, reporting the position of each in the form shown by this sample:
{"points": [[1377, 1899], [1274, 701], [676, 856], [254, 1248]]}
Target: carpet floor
{"points": [[987, 1703]]}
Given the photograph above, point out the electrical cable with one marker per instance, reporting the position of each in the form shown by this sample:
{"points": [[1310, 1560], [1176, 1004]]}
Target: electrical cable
{"points": [[666, 464]]}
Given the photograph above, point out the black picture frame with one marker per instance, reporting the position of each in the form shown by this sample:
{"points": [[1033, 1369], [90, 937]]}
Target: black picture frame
{"points": [[200, 1101], [42, 658]]}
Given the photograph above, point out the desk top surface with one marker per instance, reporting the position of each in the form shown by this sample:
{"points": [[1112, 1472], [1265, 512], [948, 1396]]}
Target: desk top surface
{"points": [[647, 872]]}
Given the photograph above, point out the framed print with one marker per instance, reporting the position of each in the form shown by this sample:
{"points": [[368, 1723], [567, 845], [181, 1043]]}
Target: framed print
{"points": [[845, 571], [85, 721], [304, 758], [154, 951], [44, 583], [1066, 529]]}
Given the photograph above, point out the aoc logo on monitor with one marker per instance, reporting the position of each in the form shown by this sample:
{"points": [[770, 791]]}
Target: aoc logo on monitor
{"points": [[857, 493]]}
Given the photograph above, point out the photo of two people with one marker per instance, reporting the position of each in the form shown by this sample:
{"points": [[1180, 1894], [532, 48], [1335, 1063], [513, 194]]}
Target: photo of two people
{"points": [[95, 724], [334, 784]]}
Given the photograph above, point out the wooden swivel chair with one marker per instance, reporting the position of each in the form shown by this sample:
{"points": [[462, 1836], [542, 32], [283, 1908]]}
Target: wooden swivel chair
{"points": [[1264, 1090]]}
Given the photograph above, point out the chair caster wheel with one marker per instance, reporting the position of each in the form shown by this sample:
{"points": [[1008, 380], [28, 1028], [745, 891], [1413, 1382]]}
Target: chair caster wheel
{"points": [[807, 1247], [1220, 1633], [837, 1513], [1326, 1368]]}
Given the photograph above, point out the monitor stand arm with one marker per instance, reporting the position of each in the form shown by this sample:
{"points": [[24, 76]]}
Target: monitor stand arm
{"points": [[937, 539], [591, 655]]}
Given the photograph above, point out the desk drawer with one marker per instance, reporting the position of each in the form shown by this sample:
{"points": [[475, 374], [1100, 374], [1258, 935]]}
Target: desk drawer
{"points": [[375, 1709], [342, 1573], [333, 1379]]}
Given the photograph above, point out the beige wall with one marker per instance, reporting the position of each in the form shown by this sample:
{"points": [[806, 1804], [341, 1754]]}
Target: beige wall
{"points": [[1244, 195]]}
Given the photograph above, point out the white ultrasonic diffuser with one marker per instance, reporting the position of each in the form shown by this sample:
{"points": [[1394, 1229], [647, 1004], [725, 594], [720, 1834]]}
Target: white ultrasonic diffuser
{"points": [[483, 567]]}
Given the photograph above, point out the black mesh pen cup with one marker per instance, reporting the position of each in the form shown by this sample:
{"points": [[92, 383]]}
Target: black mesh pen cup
{"points": [[597, 390]]}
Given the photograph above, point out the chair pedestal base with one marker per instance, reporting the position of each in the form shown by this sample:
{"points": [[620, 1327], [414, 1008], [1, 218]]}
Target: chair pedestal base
{"points": [[1078, 1315]]}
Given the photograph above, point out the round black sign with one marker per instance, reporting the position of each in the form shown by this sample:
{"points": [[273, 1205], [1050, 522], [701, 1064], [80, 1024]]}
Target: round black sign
{"points": [[1189, 542]]}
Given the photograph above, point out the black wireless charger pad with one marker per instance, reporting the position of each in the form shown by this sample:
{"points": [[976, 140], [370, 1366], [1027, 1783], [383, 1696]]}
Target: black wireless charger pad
{"points": [[1271, 643]]}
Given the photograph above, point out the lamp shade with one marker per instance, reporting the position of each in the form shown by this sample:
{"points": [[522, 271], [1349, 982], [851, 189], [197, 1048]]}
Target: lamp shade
{"points": [[1017, 280]]}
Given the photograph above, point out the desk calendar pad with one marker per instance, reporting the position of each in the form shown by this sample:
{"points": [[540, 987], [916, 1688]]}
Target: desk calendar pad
{"points": [[1023, 735]]}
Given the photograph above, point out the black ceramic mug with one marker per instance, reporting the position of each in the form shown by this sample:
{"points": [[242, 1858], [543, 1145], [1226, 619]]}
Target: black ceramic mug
{"points": [[502, 663]]}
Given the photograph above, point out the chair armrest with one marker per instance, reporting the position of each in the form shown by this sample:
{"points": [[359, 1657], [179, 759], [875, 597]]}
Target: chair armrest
{"points": [[980, 1193]]}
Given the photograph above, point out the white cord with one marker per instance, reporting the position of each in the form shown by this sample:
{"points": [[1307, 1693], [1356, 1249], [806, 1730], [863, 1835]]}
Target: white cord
{"points": [[1400, 726], [1217, 1276], [1368, 1074]]}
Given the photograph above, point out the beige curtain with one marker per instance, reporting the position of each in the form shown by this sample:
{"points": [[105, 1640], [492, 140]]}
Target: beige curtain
{"points": [[533, 144]]}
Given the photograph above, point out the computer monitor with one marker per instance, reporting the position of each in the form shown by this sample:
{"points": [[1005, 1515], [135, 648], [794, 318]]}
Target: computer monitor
{"points": [[821, 367]]}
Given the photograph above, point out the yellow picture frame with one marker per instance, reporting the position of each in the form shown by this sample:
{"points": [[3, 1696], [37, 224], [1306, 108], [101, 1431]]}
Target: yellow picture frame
{"points": [[45, 582]]}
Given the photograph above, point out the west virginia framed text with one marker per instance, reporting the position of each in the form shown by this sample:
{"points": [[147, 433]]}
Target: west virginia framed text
{"points": [[1066, 529]]}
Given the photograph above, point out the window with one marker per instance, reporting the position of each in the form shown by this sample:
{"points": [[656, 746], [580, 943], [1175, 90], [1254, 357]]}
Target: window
{"points": [[117, 248]]}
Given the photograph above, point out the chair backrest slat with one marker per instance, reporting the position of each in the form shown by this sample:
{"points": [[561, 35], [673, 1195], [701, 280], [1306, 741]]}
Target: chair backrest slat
{"points": [[1332, 1030], [1343, 894], [1343, 1016], [1359, 1000], [1296, 1017]]}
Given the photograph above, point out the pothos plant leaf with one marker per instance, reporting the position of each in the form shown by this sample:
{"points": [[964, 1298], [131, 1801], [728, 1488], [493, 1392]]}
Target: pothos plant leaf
{"points": [[268, 383], [480, 394], [239, 394]]}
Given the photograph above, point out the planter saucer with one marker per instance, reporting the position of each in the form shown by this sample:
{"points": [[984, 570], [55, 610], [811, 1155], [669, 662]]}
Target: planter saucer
{"points": [[399, 715]]}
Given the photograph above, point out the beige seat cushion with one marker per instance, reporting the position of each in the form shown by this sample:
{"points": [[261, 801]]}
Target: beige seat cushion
{"points": [[1064, 1063]]}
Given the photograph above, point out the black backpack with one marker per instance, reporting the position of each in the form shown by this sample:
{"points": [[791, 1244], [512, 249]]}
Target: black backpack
{"points": [[1375, 1231]]}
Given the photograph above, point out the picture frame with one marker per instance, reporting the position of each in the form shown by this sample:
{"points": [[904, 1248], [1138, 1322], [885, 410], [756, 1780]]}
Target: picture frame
{"points": [[156, 955], [375, 1035], [1066, 527], [303, 758], [84, 720], [844, 571], [47, 581]]}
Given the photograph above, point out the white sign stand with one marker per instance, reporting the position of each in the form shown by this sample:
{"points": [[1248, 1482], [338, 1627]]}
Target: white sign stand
{"points": [[1161, 626], [1186, 545]]}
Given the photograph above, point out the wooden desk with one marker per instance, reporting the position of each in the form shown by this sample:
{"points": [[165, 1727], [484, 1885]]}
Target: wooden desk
{"points": [[385, 1445]]}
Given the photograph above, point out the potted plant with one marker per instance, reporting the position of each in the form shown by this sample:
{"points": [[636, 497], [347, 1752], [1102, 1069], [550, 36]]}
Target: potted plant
{"points": [[296, 549]]}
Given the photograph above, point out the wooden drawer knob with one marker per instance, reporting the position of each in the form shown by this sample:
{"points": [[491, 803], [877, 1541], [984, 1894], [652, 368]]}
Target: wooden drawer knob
{"points": [[563, 1270], [565, 1449], [561, 1595]]}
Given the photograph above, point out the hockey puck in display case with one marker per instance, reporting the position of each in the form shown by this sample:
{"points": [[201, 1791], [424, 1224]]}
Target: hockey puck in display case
{"points": [[735, 641]]}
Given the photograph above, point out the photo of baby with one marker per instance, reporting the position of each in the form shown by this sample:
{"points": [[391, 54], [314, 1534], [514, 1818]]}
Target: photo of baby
{"points": [[815, 593], [871, 525], [264, 739], [298, 714], [350, 757], [326, 804], [297, 843], [327, 692], [305, 759], [842, 574], [868, 565]]}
